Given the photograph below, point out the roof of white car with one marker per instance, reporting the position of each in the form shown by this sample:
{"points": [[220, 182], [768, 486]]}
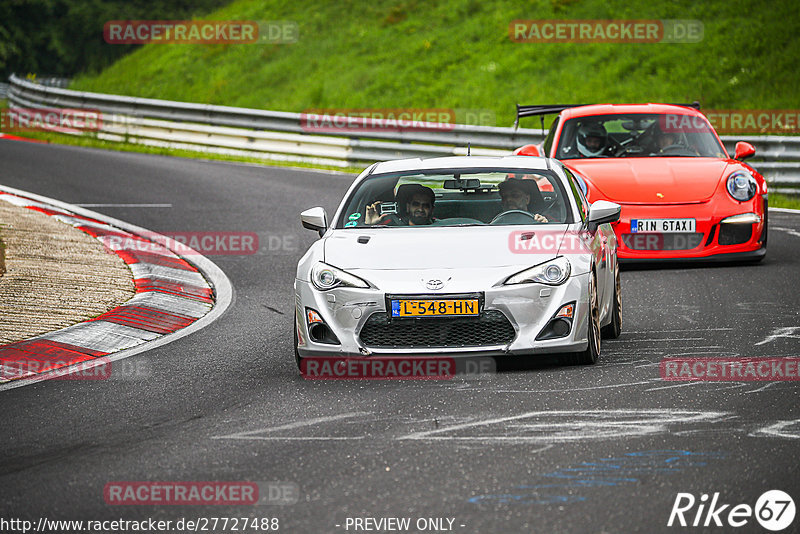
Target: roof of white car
{"points": [[460, 162]]}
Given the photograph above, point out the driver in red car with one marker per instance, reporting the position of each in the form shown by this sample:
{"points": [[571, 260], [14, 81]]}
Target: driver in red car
{"points": [[519, 194], [592, 140]]}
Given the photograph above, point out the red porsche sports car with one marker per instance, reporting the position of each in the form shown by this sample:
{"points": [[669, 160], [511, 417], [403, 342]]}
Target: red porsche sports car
{"points": [[682, 195]]}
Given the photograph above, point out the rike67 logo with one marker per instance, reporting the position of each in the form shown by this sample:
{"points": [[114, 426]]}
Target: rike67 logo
{"points": [[774, 510]]}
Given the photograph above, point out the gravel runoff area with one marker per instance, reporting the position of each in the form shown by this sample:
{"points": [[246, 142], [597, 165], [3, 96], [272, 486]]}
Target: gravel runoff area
{"points": [[55, 275]]}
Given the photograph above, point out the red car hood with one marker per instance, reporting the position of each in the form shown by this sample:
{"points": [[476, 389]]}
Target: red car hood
{"points": [[652, 180]]}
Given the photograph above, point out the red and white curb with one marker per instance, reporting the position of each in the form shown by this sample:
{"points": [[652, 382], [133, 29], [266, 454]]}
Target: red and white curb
{"points": [[17, 138], [173, 298]]}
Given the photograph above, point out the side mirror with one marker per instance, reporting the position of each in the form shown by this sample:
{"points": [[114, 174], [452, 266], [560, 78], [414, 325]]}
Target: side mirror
{"points": [[527, 150], [743, 151], [602, 212], [315, 219]]}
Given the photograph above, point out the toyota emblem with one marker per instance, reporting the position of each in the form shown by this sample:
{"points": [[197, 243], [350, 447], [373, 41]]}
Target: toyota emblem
{"points": [[434, 284]]}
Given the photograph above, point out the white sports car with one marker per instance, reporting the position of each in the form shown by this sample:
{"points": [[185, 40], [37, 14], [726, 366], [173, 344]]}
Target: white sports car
{"points": [[463, 256]]}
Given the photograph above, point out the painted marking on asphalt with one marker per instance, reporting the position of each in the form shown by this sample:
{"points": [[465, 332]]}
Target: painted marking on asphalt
{"points": [[783, 332], [762, 388], [671, 340], [566, 485], [790, 231], [252, 434], [124, 205], [683, 385], [560, 426], [570, 389], [779, 430], [681, 330], [721, 353]]}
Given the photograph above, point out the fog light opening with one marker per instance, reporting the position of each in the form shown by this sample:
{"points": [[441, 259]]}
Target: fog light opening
{"points": [[318, 331], [560, 325]]}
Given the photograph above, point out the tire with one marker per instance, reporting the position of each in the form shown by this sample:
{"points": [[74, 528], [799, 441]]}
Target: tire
{"points": [[592, 352], [612, 331]]}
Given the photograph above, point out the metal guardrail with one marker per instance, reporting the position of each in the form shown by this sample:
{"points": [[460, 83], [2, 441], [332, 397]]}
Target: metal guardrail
{"points": [[281, 136], [52, 81]]}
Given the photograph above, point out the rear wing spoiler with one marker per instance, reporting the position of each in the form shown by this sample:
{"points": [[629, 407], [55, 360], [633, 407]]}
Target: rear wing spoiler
{"points": [[541, 110], [531, 111]]}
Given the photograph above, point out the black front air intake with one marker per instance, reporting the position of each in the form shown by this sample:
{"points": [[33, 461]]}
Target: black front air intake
{"points": [[491, 327]]}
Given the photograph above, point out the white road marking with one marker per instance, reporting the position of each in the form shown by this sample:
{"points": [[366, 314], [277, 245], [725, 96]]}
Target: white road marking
{"points": [[778, 430], [781, 332], [784, 210], [291, 426], [567, 390], [681, 385], [730, 354], [124, 205], [572, 425], [762, 388], [648, 340], [790, 231], [681, 330]]}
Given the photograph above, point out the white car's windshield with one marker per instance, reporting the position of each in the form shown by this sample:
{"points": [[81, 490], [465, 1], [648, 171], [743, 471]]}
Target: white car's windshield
{"points": [[638, 135], [457, 198]]}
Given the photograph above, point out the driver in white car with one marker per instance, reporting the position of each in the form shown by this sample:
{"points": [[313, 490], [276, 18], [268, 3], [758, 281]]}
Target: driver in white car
{"points": [[518, 194]]}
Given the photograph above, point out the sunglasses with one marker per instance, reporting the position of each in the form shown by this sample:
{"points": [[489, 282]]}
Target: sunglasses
{"points": [[416, 204]]}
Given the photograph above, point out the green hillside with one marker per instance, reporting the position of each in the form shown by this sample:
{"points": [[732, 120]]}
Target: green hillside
{"points": [[458, 54]]}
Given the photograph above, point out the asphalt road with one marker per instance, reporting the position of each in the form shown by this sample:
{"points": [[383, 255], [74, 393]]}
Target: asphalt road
{"points": [[605, 448]]}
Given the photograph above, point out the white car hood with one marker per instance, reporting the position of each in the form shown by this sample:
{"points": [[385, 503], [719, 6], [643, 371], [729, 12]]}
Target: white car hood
{"points": [[434, 248]]}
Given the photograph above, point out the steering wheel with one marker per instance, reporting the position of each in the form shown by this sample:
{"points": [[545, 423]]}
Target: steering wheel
{"points": [[511, 213], [550, 204], [674, 148], [629, 149]]}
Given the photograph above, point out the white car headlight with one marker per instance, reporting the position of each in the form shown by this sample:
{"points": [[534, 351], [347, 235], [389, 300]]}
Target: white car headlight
{"points": [[741, 185], [325, 277], [553, 273]]}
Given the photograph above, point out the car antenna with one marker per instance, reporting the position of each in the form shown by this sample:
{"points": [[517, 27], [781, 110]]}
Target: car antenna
{"points": [[468, 148]]}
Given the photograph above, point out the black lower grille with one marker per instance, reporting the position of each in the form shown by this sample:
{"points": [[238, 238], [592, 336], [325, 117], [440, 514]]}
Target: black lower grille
{"points": [[735, 234], [491, 327]]}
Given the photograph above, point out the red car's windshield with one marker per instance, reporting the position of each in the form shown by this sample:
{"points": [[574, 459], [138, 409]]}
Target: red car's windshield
{"points": [[638, 135]]}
